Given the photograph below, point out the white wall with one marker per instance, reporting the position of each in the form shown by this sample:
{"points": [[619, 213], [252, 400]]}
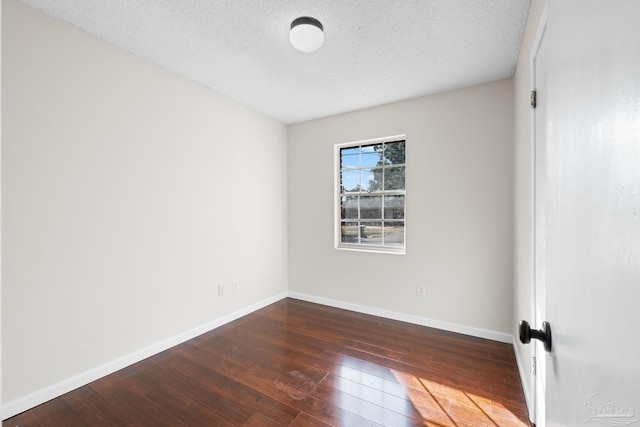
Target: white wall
{"points": [[129, 195], [523, 303], [459, 210]]}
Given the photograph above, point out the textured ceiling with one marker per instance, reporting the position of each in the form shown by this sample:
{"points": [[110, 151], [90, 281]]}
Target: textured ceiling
{"points": [[375, 51]]}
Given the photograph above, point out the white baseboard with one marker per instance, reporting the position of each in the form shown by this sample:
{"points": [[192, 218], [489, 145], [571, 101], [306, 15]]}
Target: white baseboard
{"points": [[523, 370], [417, 320], [38, 397]]}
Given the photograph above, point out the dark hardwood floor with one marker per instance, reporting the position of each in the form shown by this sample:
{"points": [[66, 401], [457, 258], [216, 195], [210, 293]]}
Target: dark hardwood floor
{"points": [[300, 364]]}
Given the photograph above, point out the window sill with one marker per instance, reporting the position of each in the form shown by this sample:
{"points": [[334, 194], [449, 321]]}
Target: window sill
{"points": [[371, 249]]}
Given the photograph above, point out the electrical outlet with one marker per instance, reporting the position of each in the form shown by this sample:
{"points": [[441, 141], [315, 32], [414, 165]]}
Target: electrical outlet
{"points": [[533, 365], [235, 287], [422, 290], [220, 290]]}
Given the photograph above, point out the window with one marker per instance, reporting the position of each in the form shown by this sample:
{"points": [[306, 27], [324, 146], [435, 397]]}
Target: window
{"points": [[371, 199]]}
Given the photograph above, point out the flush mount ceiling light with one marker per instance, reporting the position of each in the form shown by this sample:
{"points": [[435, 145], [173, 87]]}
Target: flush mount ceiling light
{"points": [[306, 34]]}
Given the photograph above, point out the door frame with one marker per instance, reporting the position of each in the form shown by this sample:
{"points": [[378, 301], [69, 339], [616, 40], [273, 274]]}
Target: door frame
{"points": [[535, 48]]}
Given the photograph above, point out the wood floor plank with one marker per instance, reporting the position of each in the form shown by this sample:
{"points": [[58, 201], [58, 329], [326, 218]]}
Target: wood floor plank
{"points": [[25, 419], [186, 410], [281, 384], [94, 410], [306, 420], [56, 413], [213, 392], [300, 364], [366, 396], [260, 420]]}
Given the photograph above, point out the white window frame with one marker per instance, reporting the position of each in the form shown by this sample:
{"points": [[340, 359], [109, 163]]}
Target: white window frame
{"points": [[359, 247]]}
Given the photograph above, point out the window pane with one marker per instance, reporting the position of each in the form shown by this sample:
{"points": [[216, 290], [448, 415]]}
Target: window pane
{"points": [[368, 176], [349, 158], [394, 178], [371, 233], [349, 208], [349, 232], [394, 233], [376, 181], [371, 207], [371, 155], [393, 207], [351, 180], [394, 153]]}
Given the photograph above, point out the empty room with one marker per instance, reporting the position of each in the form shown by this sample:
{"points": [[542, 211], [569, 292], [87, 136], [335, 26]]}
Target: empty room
{"points": [[318, 213]]}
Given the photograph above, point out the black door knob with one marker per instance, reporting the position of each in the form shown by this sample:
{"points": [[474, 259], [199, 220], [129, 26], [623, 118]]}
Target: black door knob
{"points": [[544, 334]]}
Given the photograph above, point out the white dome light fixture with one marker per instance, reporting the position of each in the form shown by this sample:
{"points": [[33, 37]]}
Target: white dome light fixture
{"points": [[306, 34]]}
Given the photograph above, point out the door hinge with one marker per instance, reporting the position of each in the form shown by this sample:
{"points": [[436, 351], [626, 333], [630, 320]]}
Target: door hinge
{"points": [[533, 365], [534, 98]]}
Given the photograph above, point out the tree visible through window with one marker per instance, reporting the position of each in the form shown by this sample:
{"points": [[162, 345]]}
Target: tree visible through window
{"points": [[372, 195]]}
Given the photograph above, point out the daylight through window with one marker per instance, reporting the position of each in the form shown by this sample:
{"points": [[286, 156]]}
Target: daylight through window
{"points": [[372, 196]]}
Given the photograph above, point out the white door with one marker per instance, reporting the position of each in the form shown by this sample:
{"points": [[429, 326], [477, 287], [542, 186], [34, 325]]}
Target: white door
{"points": [[592, 221]]}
